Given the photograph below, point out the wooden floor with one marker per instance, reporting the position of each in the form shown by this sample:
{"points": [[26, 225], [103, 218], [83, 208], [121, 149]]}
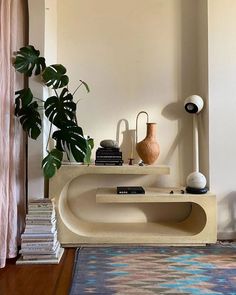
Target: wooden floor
{"points": [[38, 279]]}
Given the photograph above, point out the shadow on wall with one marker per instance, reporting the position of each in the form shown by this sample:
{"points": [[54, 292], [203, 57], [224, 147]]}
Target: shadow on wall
{"points": [[173, 111], [127, 143], [229, 226], [183, 139]]}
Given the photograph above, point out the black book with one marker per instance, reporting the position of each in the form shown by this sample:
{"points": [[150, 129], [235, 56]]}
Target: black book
{"points": [[108, 157], [108, 160], [120, 163], [130, 190], [108, 149], [108, 152], [105, 153]]}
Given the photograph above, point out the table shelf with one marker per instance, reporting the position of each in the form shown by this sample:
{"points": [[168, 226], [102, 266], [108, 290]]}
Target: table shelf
{"points": [[152, 195]]}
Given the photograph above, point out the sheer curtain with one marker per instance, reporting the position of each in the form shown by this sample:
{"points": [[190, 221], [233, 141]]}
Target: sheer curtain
{"points": [[13, 23]]}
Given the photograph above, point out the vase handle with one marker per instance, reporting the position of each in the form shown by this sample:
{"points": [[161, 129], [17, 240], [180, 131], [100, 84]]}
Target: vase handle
{"points": [[142, 112]]}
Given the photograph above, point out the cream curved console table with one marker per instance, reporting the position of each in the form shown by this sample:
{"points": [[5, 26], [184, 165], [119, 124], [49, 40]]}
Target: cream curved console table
{"points": [[90, 211]]}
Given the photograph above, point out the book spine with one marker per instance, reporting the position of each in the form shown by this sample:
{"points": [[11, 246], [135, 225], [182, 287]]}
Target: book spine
{"points": [[38, 235], [38, 250], [98, 163], [108, 149], [40, 201], [39, 230], [33, 241], [108, 161], [39, 222], [109, 154], [108, 157], [49, 220], [40, 257], [38, 244], [114, 153], [39, 227], [36, 214], [41, 212], [36, 227], [40, 206]]}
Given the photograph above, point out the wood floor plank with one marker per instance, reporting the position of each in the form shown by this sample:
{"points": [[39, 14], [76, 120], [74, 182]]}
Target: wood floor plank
{"points": [[38, 279]]}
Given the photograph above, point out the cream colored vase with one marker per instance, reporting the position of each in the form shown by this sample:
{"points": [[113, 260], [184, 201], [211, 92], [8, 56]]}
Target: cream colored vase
{"points": [[148, 149]]}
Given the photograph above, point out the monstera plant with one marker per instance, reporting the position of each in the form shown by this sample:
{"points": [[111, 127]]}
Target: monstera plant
{"points": [[59, 109]]}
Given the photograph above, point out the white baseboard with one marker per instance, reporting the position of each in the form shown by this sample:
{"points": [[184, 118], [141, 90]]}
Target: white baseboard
{"points": [[226, 235]]}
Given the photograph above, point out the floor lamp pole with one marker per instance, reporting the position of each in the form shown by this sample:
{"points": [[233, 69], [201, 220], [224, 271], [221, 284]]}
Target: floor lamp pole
{"points": [[195, 145], [196, 181]]}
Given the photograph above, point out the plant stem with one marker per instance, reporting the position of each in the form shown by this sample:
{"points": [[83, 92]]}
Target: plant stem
{"points": [[50, 130], [39, 99], [55, 92], [75, 118], [77, 88], [67, 154]]}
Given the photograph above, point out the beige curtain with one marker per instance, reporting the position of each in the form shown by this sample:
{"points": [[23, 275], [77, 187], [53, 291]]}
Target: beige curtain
{"points": [[13, 21]]}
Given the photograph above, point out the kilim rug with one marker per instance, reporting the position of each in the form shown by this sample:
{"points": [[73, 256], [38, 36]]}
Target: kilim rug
{"points": [[155, 270]]}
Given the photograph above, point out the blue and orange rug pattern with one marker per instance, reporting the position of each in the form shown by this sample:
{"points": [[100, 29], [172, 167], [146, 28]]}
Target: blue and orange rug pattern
{"points": [[147, 270]]}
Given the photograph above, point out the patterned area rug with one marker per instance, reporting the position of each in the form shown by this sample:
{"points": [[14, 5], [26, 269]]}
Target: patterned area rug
{"points": [[155, 270]]}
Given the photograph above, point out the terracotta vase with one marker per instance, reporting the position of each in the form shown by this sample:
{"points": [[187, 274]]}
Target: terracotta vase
{"points": [[148, 149]]}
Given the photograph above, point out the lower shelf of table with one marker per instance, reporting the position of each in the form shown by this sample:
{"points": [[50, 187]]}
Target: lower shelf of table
{"points": [[148, 229], [198, 227], [143, 233]]}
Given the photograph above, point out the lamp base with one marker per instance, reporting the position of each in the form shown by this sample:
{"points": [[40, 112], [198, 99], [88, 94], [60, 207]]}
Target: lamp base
{"points": [[193, 190], [196, 180]]}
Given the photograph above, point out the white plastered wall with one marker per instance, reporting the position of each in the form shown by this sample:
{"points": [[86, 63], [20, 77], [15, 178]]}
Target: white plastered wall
{"points": [[158, 53], [43, 36], [222, 107], [135, 55], [35, 148]]}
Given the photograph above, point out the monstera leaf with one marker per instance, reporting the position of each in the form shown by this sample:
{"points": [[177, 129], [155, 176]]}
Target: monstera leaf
{"points": [[28, 59], [51, 163], [54, 76], [60, 109], [90, 146], [23, 98], [30, 120], [70, 138]]}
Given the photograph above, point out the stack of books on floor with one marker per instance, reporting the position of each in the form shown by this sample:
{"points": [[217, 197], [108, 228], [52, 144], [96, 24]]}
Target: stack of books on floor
{"points": [[39, 244], [108, 156]]}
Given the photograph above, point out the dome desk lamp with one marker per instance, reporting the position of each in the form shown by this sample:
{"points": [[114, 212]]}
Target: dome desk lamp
{"points": [[196, 181]]}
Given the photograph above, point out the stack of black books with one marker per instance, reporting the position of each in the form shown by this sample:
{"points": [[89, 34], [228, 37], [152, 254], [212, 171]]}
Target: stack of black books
{"points": [[108, 156]]}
